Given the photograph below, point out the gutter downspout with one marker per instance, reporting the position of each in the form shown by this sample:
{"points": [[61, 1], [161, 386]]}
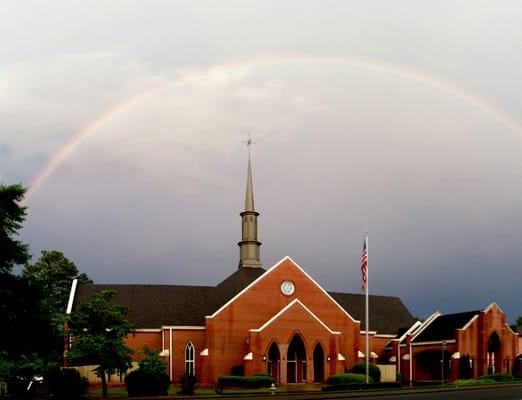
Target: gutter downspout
{"points": [[170, 354], [399, 357]]}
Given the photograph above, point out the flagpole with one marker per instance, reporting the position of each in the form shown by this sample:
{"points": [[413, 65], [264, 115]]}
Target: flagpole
{"points": [[367, 313]]}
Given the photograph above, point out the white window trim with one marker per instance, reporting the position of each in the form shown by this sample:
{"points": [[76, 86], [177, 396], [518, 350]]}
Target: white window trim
{"points": [[190, 362]]}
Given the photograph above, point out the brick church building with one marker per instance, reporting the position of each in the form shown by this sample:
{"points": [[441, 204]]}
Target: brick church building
{"points": [[282, 322]]}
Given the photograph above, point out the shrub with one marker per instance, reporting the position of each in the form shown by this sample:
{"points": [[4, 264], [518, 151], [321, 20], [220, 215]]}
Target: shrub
{"points": [[345, 379], [66, 383], [150, 378], [361, 386], [152, 362], [260, 380], [188, 384], [398, 377], [6, 366], [253, 381], [144, 383], [374, 371]]}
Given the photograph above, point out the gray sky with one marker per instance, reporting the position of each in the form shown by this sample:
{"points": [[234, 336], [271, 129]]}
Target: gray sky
{"points": [[354, 129]]}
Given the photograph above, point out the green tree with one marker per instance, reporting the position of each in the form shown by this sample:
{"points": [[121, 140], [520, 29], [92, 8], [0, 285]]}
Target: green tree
{"points": [[99, 329], [23, 322], [52, 276], [12, 215], [519, 320], [21, 317]]}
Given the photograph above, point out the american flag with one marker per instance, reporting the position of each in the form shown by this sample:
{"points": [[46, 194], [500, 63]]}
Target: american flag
{"points": [[364, 265]]}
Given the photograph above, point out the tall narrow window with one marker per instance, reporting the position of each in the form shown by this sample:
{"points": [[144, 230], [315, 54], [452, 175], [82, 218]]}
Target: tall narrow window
{"points": [[190, 363]]}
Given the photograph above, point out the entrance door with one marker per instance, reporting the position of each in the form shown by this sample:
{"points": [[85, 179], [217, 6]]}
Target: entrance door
{"points": [[296, 361], [274, 361], [318, 363], [493, 357]]}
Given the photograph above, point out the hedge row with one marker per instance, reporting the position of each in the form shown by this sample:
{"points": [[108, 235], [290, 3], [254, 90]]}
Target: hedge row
{"points": [[361, 386], [373, 370], [346, 379], [253, 381], [497, 377]]}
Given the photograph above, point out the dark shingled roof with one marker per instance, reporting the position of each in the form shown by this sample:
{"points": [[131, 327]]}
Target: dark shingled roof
{"points": [[444, 326], [153, 306], [388, 314]]}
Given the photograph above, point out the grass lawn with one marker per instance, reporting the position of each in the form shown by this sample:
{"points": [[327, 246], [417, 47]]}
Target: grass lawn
{"points": [[121, 391], [481, 381]]}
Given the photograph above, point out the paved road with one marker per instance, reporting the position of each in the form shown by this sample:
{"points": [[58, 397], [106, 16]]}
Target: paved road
{"points": [[498, 393]]}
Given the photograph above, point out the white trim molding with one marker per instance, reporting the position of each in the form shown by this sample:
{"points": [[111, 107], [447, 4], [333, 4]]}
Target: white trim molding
{"points": [[204, 353], [426, 323], [434, 342], [148, 330], [249, 357], [340, 357], [263, 276], [285, 309], [514, 333], [488, 308], [71, 296], [468, 323], [184, 327]]}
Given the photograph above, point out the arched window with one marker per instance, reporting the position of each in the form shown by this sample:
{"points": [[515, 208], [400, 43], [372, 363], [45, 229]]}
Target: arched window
{"points": [[190, 361]]}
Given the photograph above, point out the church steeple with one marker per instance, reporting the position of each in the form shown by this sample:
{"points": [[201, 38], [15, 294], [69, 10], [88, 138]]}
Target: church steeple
{"points": [[249, 198], [249, 245]]}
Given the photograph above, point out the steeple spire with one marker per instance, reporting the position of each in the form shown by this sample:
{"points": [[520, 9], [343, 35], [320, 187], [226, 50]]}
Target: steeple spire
{"points": [[249, 198], [249, 245]]}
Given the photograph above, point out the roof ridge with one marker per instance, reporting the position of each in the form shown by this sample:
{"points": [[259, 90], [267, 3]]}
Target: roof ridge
{"points": [[362, 295], [144, 284]]}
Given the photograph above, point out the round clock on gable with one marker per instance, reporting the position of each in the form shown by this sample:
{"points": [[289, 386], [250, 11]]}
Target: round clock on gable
{"points": [[287, 288]]}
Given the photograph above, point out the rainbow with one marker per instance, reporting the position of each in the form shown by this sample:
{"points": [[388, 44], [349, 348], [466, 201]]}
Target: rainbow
{"points": [[215, 72]]}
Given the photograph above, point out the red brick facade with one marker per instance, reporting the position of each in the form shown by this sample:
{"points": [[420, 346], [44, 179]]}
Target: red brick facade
{"points": [[244, 329], [306, 336], [486, 339]]}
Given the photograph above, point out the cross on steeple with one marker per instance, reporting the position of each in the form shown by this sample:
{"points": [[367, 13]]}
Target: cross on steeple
{"points": [[249, 142]]}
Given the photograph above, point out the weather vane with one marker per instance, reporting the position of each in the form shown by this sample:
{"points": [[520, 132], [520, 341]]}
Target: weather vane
{"points": [[249, 142]]}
